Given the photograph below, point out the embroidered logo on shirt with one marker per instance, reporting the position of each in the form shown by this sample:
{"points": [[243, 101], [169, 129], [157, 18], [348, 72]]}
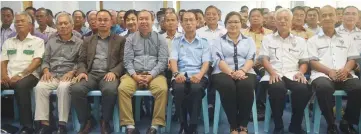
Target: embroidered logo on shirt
{"points": [[28, 52], [342, 42], [11, 52], [357, 37]]}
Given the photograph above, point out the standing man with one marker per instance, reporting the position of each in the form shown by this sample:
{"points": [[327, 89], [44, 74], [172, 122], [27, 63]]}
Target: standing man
{"points": [[58, 67], [171, 25], [212, 30], [244, 9], [50, 19], [42, 19], [145, 58], [92, 20], [339, 14], [333, 58], [189, 64], [115, 29], [7, 17], [20, 57], [284, 57], [312, 16], [299, 16], [100, 66], [79, 20], [120, 19], [271, 22]]}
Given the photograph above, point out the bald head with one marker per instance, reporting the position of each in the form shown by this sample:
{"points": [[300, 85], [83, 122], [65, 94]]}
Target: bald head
{"points": [[328, 17]]}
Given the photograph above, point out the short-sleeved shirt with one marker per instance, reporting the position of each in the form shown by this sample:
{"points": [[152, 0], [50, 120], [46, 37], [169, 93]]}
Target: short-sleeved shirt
{"points": [[305, 33], [20, 54], [101, 55], [224, 49], [257, 37], [205, 32], [314, 30], [354, 35], [284, 55], [5, 34], [169, 39], [331, 52], [190, 55], [48, 31]]}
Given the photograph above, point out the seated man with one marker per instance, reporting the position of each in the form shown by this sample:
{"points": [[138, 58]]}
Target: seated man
{"points": [[189, 64], [59, 66], [332, 57], [100, 65], [284, 56], [145, 58], [20, 57]]}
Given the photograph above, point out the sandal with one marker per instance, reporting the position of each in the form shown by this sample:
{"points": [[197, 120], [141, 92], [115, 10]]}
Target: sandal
{"points": [[243, 129]]}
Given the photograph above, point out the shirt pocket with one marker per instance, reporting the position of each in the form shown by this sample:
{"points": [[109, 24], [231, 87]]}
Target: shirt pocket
{"points": [[274, 52], [28, 54], [11, 53], [69, 53], [138, 49], [294, 52], [321, 50], [341, 48]]}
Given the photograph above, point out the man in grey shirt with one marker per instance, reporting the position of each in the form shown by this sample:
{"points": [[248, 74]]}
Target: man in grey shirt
{"points": [[59, 66], [145, 59]]}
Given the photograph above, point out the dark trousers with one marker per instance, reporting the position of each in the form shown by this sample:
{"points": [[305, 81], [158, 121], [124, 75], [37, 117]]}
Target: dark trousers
{"points": [[300, 95], [325, 88], [188, 99], [95, 81], [23, 89], [236, 97]]}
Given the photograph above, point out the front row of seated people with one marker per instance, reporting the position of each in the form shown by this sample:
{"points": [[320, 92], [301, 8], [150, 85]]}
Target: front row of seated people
{"points": [[118, 67]]}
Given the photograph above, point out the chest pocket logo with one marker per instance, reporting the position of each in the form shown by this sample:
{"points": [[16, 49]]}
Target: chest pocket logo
{"points": [[11, 52], [28, 52]]}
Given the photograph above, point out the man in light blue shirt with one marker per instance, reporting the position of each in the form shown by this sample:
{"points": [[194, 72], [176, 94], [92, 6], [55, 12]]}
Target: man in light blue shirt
{"points": [[189, 63]]}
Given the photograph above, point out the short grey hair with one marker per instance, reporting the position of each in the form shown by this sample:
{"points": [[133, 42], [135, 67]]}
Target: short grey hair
{"points": [[70, 18], [28, 17], [283, 10]]}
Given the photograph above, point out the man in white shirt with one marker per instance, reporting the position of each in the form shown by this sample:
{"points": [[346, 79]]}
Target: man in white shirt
{"points": [[212, 30], [312, 16], [42, 18], [20, 57], [284, 56], [332, 57]]}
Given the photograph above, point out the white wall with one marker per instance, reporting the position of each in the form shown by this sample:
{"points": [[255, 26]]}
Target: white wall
{"points": [[137, 5], [17, 6]]}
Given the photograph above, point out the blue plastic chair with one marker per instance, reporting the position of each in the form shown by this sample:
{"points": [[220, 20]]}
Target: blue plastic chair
{"points": [[204, 113], [269, 112], [138, 94], [218, 111], [96, 113], [317, 112]]}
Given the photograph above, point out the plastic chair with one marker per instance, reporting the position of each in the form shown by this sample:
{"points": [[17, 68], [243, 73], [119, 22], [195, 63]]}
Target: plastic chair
{"points": [[269, 112], [96, 113], [218, 110], [317, 112], [16, 109], [138, 94], [204, 113]]}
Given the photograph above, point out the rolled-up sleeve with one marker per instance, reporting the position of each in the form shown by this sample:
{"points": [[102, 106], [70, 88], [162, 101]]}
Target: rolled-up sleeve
{"points": [[217, 54], [312, 49], [353, 53], [264, 51], [251, 55], [39, 51], [162, 57], [129, 55]]}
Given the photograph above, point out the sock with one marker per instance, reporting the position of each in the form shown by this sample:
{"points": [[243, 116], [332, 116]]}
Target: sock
{"points": [[155, 127], [130, 126]]}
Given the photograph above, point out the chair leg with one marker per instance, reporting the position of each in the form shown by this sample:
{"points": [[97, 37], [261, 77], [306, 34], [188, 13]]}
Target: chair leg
{"points": [[205, 113], [169, 113], [137, 107], [254, 114], [338, 107], [217, 113], [267, 115], [16, 110], [33, 102], [116, 118], [123, 129], [76, 124], [307, 119], [317, 117], [96, 108]]}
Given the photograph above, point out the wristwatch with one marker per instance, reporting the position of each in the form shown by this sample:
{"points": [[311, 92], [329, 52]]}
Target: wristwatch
{"points": [[175, 74], [20, 75]]}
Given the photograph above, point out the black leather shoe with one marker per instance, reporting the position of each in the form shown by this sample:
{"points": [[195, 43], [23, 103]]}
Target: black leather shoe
{"points": [[151, 131], [278, 131], [86, 128], [44, 129], [105, 128], [332, 129], [26, 130], [132, 131], [346, 128], [296, 130], [62, 129]]}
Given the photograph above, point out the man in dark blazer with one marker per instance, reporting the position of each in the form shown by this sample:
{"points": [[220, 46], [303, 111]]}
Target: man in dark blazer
{"points": [[100, 65]]}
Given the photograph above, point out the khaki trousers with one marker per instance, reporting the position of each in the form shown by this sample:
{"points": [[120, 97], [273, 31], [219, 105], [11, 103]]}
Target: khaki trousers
{"points": [[159, 88]]}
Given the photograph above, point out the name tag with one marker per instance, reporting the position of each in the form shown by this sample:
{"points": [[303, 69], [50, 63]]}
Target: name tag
{"points": [[28, 52], [11, 52]]}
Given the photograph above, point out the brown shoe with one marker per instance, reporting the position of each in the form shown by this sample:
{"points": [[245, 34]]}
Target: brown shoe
{"points": [[132, 131], [151, 131], [86, 129], [104, 127]]}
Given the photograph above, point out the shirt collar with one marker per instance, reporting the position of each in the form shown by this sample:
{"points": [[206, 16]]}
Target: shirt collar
{"points": [[240, 37], [342, 28], [321, 34], [298, 28], [29, 36], [183, 38], [71, 39], [98, 35], [250, 29], [145, 36], [218, 28], [276, 34], [175, 35]]}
